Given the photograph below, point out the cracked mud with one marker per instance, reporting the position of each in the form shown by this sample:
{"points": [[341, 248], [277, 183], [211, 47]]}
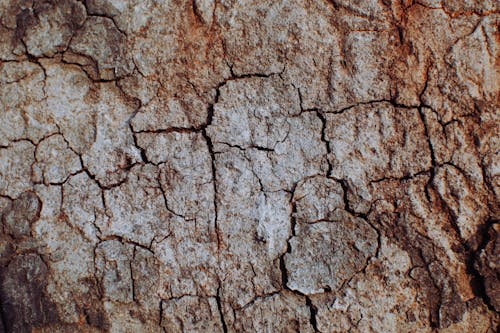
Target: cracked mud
{"points": [[249, 166]]}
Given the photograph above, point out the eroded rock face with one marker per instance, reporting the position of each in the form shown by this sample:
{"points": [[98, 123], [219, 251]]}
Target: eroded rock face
{"points": [[249, 166]]}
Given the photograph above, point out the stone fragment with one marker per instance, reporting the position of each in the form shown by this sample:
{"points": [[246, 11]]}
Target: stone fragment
{"points": [[185, 176], [272, 131], [282, 312], [187, 266], [70, 256], [114, 271], [205, 10], [468, 210], [132, 218], [102, 41], [70, 107], [112, 152], [56, 160], [396, 311], [326, 254], [373, 142], [21, 97], [25, 304], [83, 204], [109, 8], [253, 230], [191, 313], [185, 168], [293, 159], [47, 27], [15, 168], [488, 265], [10, 46], [21, 214], [253, 112], [317, 198], [475, 61]]}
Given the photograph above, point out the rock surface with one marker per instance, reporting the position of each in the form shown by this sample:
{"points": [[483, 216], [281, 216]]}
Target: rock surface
{"points": [[249, 166]]}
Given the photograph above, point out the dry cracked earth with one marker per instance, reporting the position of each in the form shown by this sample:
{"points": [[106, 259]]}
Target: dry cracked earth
{"points": [[249, 166]]}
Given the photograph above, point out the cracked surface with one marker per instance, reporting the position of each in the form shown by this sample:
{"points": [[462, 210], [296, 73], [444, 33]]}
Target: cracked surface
{"points": [[249, 166]]}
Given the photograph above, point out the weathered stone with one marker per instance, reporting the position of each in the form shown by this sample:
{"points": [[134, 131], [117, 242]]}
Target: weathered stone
{"points": [[249, 166], [25, 304], [373, 142], [191, 314], [282, 312], [15, 168], [131, 218], [20, 215], [47, 27], [317, 198], [101, 40], [326, 254], [488, 265], [22, 95], [55, 160], [83, 205]]}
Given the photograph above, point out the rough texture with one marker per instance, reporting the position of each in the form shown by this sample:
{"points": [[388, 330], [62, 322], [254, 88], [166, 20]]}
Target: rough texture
{"points": [[249, 166]]}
